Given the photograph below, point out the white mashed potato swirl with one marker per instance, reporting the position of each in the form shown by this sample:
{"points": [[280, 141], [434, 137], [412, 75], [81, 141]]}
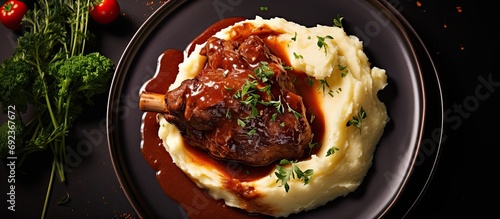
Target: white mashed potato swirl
{"points": [[335, 175]]}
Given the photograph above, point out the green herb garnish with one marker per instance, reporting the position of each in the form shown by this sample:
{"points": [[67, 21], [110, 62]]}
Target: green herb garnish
{"points": [[288, 68], [241, 123], [264, 72], [331, 151], [323, 85], [311, 144], [285, 174], [253, 131], [321, 42], [297, 56], [338, 21], [276, 103], [52, 70], [274, 117], [358, 119], [294, 38], [295, 113], [343, 70]]}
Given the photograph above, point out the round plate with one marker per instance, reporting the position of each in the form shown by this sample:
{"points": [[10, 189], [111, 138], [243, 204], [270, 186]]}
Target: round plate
{"points": [[389, 43]]}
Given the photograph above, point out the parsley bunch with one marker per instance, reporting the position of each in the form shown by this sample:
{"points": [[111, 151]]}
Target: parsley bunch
{"points": [[51, 71]]}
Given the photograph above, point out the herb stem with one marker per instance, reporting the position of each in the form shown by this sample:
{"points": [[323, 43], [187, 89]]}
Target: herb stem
{"points": [[85, 26], [49, 190], [49, 106]]}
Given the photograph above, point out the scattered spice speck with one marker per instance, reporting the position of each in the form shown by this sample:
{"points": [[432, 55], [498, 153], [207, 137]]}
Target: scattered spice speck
{"points": [[124, 216], [419, 4], [459, 9], [153, 4]]}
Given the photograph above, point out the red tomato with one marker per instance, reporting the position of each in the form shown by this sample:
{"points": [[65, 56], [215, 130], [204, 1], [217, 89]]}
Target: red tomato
{"points": [[11, 14], [105, 12]]}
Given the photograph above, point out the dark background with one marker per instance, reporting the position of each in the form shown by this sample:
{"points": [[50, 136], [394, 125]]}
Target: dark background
{"points": [[463, 39]]}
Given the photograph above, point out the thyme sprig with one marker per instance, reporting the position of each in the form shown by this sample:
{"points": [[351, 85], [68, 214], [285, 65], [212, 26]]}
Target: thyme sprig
{"points": [[358, 119], [284, 174]]}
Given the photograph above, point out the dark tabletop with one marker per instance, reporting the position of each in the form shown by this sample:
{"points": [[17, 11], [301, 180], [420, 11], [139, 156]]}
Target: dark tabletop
{"points": [[463, 39]]}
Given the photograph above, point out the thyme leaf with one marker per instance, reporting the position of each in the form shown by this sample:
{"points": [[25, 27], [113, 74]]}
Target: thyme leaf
{"points": [[264, 72], [337, 21], [331, 151]]}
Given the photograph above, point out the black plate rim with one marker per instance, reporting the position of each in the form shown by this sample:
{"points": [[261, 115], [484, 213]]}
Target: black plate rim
{"points": [[414, 37], [171, 5], [116, 84], [401, 23]]}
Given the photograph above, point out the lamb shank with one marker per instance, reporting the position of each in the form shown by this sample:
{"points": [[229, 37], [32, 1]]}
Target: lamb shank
{"points": [[242, 106]]}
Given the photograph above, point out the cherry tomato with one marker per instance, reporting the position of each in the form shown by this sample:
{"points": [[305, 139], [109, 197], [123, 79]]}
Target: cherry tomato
{"points": [[105, 12], [11, 14]]}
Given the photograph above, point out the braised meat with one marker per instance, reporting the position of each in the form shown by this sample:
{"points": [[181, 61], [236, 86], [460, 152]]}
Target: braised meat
{"points": [[242, 106]]}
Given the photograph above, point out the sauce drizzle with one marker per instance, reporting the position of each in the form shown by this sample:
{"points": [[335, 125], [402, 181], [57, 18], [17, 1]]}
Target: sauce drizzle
{"points": [[196, 202]]}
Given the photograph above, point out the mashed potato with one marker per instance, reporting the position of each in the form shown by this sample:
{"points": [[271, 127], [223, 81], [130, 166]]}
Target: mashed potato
{"points": [[344, 65]]}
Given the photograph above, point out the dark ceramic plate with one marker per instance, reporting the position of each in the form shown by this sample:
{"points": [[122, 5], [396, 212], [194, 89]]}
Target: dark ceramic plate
{"points": [[412, 97]]}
